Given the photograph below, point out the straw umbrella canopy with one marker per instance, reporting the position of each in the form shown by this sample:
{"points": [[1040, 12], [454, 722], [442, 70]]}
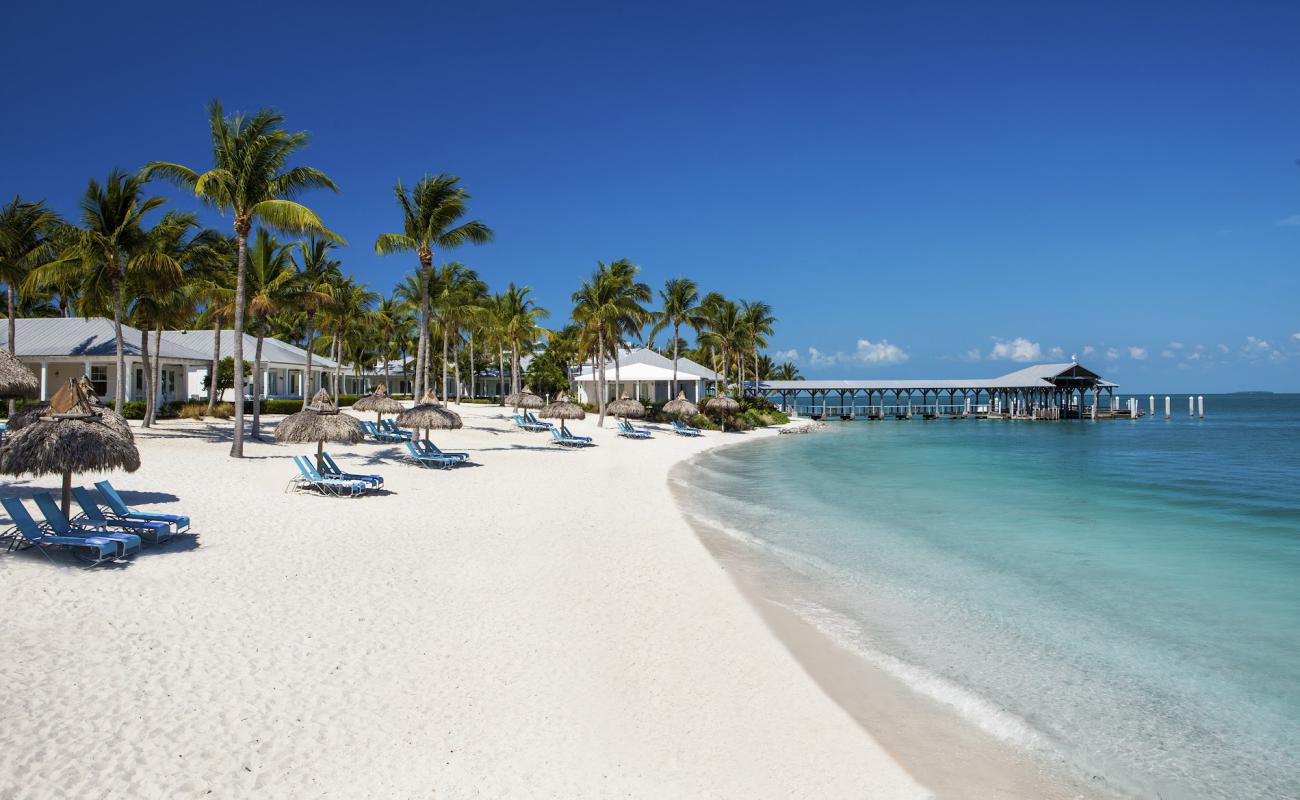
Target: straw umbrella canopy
{"points": [[379, 402], [681, 407], [31, 412], [625, 407], [562, 409], [429, 415], [524, 399], [319, 422], [74, 435], [721, 406], [17, 382]]}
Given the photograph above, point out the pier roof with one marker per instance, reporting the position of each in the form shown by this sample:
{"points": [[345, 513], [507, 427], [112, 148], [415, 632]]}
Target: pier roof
{"points": [[1039, 376]]}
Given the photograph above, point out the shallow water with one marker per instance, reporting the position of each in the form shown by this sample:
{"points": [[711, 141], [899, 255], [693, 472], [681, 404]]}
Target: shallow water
{"points": [[1123, 596]]}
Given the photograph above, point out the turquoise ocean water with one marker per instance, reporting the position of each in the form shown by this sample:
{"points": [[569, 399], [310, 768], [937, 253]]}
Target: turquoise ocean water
{"points": [[1122, 597]]}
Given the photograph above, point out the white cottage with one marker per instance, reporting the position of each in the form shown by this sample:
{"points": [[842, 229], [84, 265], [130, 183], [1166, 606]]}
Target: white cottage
{"points": [[645, 375]]}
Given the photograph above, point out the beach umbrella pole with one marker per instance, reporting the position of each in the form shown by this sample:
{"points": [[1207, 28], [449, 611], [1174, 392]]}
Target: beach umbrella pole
{"points": [[67, 492], [320, 460]]}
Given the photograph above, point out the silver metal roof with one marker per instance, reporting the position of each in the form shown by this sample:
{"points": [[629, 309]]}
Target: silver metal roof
{"points": [[89, 337], [274, 351]]}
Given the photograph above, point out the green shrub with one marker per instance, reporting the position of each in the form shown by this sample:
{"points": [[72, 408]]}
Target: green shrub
{"points": [[131, 409], [198, 410]]}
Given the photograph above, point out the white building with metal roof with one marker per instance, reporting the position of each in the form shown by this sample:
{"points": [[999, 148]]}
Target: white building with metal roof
{"points": [[646, 375]]}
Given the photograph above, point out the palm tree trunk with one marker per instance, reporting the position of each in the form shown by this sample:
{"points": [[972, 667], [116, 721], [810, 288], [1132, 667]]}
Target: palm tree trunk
{"points": [[471, 367], [216, 367], [446, 333], [257, 384], [456, 374], [157, 369], [237, 443], [618, 381], [406, 373], [13, 332], [148, 377], [600, 384], [119, 305], [514, 366], [501, 375], [676, 340], [424, 326], [306, 377]]}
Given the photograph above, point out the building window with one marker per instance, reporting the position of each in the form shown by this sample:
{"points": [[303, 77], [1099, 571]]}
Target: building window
{"points": [[99, 380]]}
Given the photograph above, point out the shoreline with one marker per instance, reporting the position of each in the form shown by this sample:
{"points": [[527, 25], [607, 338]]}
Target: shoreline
{"points": [[944, 751], [543, 623]]}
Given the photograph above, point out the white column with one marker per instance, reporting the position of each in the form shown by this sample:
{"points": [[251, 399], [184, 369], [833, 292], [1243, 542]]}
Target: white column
{"points": [[86, 366], [129, 386], [45, 380]]}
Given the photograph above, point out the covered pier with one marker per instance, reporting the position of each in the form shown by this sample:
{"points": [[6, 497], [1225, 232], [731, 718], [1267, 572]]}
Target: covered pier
{"points": [[1043, 391]]}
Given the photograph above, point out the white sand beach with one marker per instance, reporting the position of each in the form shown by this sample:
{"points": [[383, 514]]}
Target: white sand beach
{"points": [[540, 624]]}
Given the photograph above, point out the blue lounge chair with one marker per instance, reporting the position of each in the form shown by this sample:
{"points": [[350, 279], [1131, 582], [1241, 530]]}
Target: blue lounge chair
{"points": [[311, 479], [566, 433], [532, 419], [523, 423], [121, 510], [390, 427], [562, 438], [626, 430], [127, 543], [379, 435], [425, 459], [151, 532], [432, 449], [27, 533], [331, 470], [682, 429]]}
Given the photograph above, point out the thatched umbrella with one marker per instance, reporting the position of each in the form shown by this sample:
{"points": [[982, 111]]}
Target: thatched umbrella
{"points": [[319, 422], [562, 409], [524, 399], [429, 415], [73, 435], [625, 407], [17, 382], [681, 407], [31, 412], [722, 406], [379, 402]]}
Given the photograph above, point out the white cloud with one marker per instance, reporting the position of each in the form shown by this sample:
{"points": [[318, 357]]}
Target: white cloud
{"points": [[1018, 349], [1193, 356], [1056, 353], [1175, 345], [1137, 353], [878, 353], [1254, 343], [1223, 348], [1112, 353], [1295, 336], [971, 355], [786, 355], [1088, 350], [819, 359], [1167, 353], [1292, 221]]}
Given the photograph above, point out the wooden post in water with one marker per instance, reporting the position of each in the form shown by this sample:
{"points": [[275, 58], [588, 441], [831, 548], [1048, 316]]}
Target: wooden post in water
{"points": [[1200, 405]]}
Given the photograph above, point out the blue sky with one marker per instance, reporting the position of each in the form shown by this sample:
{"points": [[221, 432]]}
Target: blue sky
{"points": [[920, 190]]}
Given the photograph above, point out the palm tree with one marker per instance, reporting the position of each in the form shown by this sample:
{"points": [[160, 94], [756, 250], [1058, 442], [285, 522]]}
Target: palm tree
{"points": [[388, 320], [431, 216], [724, 332], [317, 276], [758, 320], [213, 283], [272, 287], [520, 325], [348, 315], [99, 251], [785, 372], [608, 306], [456, 300], [157, 280], [680, 297], [26, 231], [251, 178]]}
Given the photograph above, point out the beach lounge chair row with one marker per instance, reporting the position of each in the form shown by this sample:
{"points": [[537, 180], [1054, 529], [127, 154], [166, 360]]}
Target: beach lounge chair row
{"points": [[330, 479], [426, 454], [386, 431], [97, 534], [529, 422], [563, 438], [682, 429], [627, 431]]}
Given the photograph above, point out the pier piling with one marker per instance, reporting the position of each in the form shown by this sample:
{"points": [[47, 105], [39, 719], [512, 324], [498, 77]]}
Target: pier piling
{"points": [[1191, 406], [1200, 405], [1152, 400], [1167, 414]]}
